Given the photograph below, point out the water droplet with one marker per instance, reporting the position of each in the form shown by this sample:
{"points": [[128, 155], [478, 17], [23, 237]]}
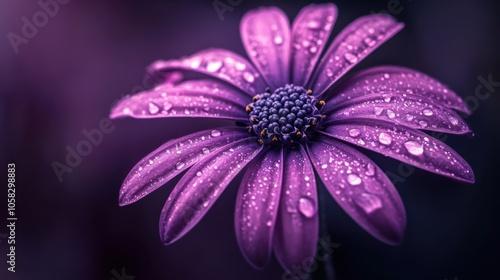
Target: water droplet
{"points": [[198, 173], [324, 166], [278, 40], [195, 63], [354, 132], [240, 66], [428, 112], [214, 66], [313, 24], [353, 179], [385, 138], [215, 133], [414, 148], [368, 202], [386, 76], [205, 204], [351, 58], [269, 223], [369, 41], [179, 165], [150, 161], [248, 77], [307, 178], [453, 120], [378, 110], [370, 169], [390, 114], [307, 207], [409, 117], [329, 72], [387, 99], [153, 108], [205, 150], [422, 124]]}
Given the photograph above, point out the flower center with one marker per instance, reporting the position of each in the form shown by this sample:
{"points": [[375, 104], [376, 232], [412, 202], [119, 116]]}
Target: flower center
{"points": [[289, 115]]}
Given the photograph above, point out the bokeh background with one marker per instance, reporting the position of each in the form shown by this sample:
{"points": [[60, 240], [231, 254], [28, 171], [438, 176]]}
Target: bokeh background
{"points": [[66, 78]]}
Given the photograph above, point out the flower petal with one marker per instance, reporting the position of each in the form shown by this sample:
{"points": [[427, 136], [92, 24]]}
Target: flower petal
{"points": [[360, 188], [397, 79], [207, 99], [200, 187], [222, 64], [310, 32], [257, 207], [405, 144], [296, 233], [172, 158], [407, 109], [352, 45], [265, 33]]}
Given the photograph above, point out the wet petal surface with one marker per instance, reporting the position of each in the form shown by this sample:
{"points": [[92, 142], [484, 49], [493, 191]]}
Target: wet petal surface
{"points": [[222, 64], [200, 187], [407, 109], [172, 158], [265, 33], [199, 98], [352, 45], [310, 33], [257, 206], [395, 79], [405, 144], [297, 226], [360, 188]]}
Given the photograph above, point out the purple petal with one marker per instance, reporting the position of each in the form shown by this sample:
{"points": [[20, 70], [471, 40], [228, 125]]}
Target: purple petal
{"points": [[407, 109], [265, 33], [222, 64], [257, 207], [207, 99], [200, 187], [360, 188], [296, 232], [383, 79], [310, 32], [405, 144], [352, 45], [172, 158]]}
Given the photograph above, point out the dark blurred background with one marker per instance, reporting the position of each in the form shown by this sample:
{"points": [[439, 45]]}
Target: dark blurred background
{"points": [[67, 76]]}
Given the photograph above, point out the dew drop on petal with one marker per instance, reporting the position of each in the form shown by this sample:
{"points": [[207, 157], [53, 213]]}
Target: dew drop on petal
{"points": [[378, 110], [278, 40], [248, 77], [414, 148], [306, 207], [353, 179], [150, 161], [179, 165], [153, 108], [387, 99], [390, 114], [324, 166], [428, 112], [215, 133], [240, 66], [453, 120], [198, 173], [269, 223], [354, 132], [370, 169], [214, 66], [369, 41], [423, 124], [368, 202], [351, 58], [313, 24], [205, 150], [385, 138], [409, 117]]}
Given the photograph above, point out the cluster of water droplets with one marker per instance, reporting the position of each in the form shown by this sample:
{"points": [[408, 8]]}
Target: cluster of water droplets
{"points": [[352, 45]]}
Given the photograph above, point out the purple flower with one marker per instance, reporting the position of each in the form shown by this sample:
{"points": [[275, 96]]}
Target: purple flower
{"points": [[294, 120]]}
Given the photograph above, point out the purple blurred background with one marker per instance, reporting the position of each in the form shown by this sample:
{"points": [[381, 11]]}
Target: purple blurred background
{"points": [[66, 78]]}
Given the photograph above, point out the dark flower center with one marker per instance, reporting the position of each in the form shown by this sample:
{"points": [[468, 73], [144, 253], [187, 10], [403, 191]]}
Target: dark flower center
{"points": [[289, 115]]}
